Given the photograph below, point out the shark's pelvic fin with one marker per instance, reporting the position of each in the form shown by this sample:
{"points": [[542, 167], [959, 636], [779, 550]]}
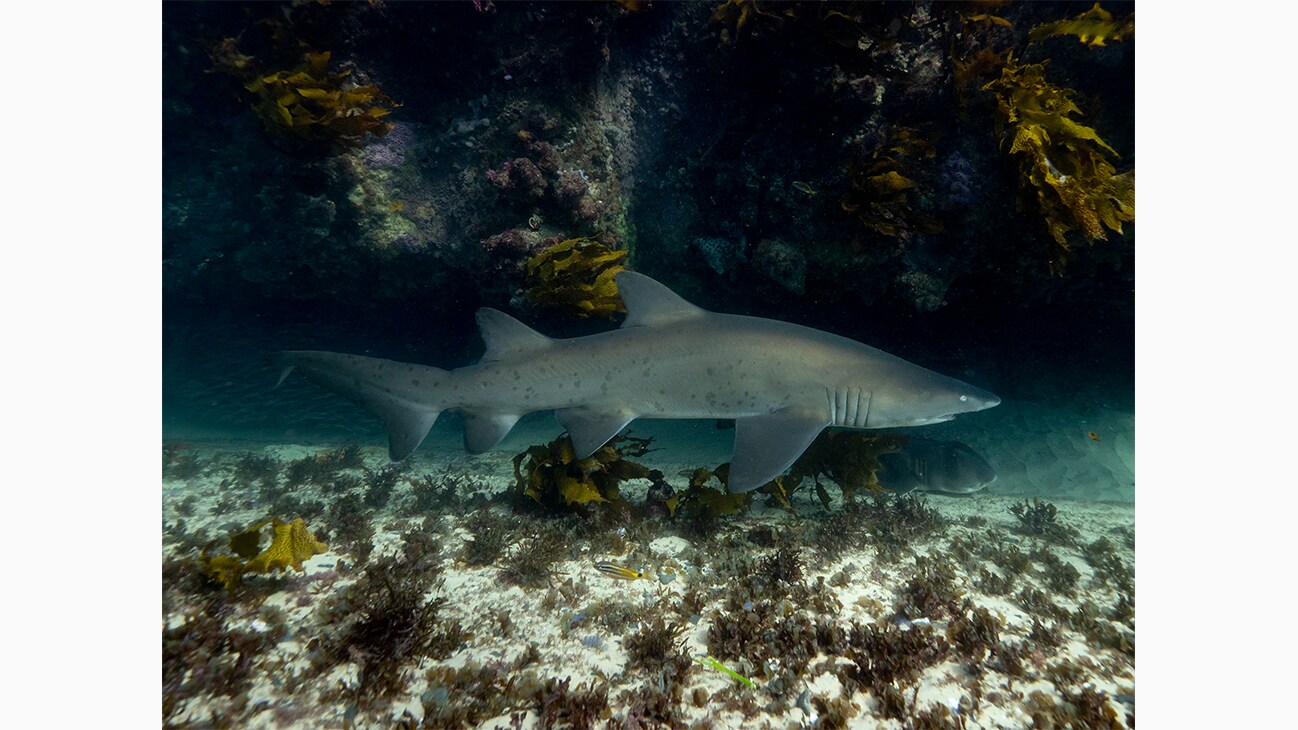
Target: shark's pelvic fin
{"points": [[506, 336], [766, 445], [482, 431], [397, 392], [591, 428], [650, 303]]}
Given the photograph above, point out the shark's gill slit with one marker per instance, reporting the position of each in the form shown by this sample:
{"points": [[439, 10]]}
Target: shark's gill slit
{"points": [[848, 406]]}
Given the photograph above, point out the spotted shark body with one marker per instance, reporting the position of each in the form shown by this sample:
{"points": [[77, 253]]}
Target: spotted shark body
{"points": [[782, 383]]}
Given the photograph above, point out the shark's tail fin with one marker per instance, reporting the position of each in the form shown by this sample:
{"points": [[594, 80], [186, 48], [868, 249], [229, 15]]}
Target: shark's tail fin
{"points": [[405, 396]]}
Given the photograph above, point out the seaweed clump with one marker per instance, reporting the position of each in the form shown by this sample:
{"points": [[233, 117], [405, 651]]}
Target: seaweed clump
{"points": [[1060, 575], [203, 657], [704, 504], [179, 461], [444, 492], [322, 469], [1037, 603], [1083, 708], [657, 645], [578, 275], [850, 459], [658, 651], [385, 620], [531, 561], [882, 187], [1100, 631], [1109, 566], [558, 704], [311, 103], [888, 522], [553, 477], [1063, 165], [931, 592], [772, 619], [252, 469], [1039, 519], [974, 633], [490, 535], [349, 523], [469, 695], [883, 657], [379, 484], [894, 521]]}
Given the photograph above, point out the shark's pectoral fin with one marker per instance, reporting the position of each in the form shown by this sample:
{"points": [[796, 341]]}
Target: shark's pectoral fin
{"points": [[403, 395], [482, 431], [591, 428], [766, 445]]}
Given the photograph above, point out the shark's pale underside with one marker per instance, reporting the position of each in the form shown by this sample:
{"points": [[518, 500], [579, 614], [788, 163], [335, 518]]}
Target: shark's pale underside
{"points": [[782, 383]]}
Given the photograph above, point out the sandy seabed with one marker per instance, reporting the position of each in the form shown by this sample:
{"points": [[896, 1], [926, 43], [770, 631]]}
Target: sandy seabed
{"points": [[1088, 620]]}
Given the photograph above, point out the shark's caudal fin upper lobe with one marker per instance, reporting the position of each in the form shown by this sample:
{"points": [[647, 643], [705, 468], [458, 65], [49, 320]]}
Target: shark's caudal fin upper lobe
{"points": [[403, 395]]}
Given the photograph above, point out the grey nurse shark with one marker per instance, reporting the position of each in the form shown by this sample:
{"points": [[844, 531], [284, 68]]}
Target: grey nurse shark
{"points": [[782, 383], [934, 466]]}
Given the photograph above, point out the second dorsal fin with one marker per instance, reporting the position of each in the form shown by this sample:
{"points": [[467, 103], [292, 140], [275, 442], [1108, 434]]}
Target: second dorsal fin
{"points": [[650, 303], [506, 336]]}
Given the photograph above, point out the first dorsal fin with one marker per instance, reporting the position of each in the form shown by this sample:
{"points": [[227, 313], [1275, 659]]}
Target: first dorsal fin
{"points": [[506, 336], [650, 303]]}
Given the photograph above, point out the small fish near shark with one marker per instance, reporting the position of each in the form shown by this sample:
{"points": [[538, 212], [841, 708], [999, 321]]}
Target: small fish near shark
{"points": [[782, 383]]}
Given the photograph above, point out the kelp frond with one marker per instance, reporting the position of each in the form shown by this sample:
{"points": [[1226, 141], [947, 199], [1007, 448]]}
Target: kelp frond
{"points": [[578, 275], [1065, 166], [553, 477], [311, 102], [882, 187], [1093, 27]]}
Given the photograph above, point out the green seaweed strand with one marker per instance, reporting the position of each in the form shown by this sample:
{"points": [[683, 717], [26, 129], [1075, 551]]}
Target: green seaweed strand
{"points": [[713, 663]]}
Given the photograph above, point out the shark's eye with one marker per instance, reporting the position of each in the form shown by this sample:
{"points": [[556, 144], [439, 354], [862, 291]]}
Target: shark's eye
{"points": [[964, 398]]}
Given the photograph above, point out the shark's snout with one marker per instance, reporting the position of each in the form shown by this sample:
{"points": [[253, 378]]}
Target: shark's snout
{"points": [[968, 400], [978, 400]]}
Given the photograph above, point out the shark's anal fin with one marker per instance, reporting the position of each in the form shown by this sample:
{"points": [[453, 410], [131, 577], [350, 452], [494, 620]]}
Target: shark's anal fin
{"points": [[482, 431], [402, 394], [506, 336], [591, 428], [766, 445]]}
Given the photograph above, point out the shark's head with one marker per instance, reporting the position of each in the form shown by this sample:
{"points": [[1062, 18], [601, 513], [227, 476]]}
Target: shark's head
{"points": [[926, 397], [941, 466], [958, 469]]}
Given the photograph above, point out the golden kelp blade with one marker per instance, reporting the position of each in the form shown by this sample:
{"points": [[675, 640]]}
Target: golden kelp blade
{"points": [[1093, 27]]}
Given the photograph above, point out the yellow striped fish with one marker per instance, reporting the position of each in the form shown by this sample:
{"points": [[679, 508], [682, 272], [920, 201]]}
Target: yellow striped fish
{"points": [[621, 572]]}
